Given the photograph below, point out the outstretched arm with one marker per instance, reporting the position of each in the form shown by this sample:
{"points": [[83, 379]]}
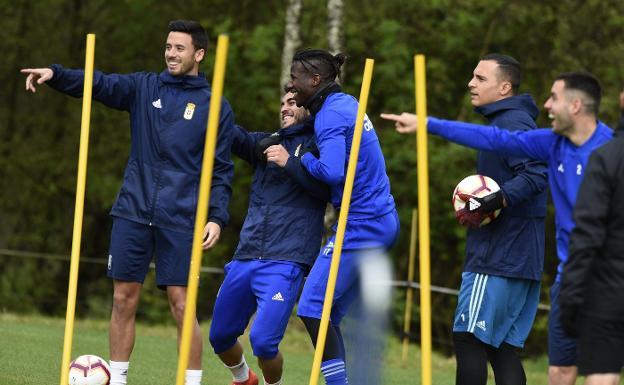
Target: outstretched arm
{"points": [[534, 144]]}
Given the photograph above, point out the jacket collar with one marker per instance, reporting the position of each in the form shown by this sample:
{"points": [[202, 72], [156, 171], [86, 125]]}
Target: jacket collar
{"points": [[186, 81], [523, 102], [315, 102]]}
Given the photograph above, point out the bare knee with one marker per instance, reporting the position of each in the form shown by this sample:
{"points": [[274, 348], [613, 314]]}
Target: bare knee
{"points": [[126, 298], [562, 375], [177, 302]]}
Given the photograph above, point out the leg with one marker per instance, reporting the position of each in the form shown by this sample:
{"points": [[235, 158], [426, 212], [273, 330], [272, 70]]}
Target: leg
{"points": [[234, 306], [602, 379], [333, 343], [562, 349], [272, 368], [275, 287], [506, 364], [562, 375], [471, 359], [121, 330], [177, 302]]}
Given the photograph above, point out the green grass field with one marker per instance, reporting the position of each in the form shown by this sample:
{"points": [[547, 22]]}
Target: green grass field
{"points": [[31, 347]]}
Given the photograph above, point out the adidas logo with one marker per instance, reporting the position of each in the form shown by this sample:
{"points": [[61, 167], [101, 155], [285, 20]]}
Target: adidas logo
{"points": [[278, 297], [473, 204], [481, 325], [156, 103]]}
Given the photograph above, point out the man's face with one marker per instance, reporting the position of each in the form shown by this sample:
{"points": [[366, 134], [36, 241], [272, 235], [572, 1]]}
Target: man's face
{"points": [[559, 106], [485, 87], [181, 56], [290, 113], [302, 83]]}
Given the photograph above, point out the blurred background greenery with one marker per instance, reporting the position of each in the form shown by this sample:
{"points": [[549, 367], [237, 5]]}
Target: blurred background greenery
{"points": [[39, 133]]}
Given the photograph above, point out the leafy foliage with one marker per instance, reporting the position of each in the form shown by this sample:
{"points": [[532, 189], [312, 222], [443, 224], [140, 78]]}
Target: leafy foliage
{"points": [[39, 133]]}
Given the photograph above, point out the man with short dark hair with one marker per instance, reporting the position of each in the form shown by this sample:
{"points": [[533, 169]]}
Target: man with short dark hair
{"points": [[500, 285], [573, 107], [278, 245], [154, 214]]}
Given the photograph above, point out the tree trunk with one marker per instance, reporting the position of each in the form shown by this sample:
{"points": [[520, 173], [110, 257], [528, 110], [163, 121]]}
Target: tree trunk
{"points": [[334, 28], [292, 39]]}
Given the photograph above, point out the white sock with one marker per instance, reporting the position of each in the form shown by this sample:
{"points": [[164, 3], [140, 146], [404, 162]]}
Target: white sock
{"points": [[119, 372], [279, 382], [193, 377], [240, 372]]}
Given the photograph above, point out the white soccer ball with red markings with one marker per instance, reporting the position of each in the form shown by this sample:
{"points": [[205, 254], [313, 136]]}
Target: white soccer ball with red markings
{"points": [[479, 186], [89, 370]]}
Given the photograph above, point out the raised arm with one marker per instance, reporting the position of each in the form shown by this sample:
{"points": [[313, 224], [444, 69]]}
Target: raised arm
{"points": [[114, 90], [534, 144]]}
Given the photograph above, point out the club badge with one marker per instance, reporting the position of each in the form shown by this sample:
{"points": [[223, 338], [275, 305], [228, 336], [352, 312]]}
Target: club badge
{"points": [[190, 109]]}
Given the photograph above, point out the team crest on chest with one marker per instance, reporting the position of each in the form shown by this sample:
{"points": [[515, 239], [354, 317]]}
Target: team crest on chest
{"points": [[190, 109]]}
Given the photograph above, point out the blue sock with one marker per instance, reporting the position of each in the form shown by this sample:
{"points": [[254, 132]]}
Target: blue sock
{"points": [[334, 371]]}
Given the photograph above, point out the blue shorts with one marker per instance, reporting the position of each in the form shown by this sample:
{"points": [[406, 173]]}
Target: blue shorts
{"points": [[360, 235], [133, 245], [496, 309], [267, 287], [562, 349]]}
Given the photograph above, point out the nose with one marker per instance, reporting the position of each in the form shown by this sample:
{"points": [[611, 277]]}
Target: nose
{"points": [[471, 84], [289, 86], [547, 104]]}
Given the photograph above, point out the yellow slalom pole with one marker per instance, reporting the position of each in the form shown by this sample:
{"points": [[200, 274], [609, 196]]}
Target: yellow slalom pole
{"points": [[342, 221], [410, 290], [79, 208], [423, 218], [202, 206]]}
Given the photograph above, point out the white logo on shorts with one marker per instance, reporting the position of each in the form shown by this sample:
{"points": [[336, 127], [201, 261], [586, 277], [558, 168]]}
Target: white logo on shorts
{"points": [[110, 261], [481, 325], [278, 297]]}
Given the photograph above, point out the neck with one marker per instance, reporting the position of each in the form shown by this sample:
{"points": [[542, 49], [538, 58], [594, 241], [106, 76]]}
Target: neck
{"points": [[584, 128]]}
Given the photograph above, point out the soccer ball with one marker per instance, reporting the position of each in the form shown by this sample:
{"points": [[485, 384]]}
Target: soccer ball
{"points": [[479, 186], [89, 370]]}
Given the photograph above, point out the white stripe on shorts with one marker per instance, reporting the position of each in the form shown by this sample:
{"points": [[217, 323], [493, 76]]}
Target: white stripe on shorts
{"points": [[476, 299]]}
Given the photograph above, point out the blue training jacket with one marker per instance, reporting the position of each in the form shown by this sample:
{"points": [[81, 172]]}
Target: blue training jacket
{"points": [[566, 162], [513, 245], [334, 125], [168, 117], [286, 205]]}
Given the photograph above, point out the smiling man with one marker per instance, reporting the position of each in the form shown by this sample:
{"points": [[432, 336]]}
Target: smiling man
{"points": [[154, 214], [277, 246], [573, 108], [504, 260]]}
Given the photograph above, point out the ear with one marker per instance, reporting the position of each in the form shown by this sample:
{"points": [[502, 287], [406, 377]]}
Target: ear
{"points": [[576, 106], [505, 89], [316, 79], [199, 55]]}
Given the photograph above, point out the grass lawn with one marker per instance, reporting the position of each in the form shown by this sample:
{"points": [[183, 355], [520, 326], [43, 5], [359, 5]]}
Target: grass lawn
{"points": [[31, 348]]}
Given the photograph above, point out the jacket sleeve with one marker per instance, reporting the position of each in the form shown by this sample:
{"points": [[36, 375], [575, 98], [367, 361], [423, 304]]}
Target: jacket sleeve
{"points": [[590, 216], [113, 90], [244, 144], [295, 170], [534, 144], [221, 188], [530, 176], [330, 131]]}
